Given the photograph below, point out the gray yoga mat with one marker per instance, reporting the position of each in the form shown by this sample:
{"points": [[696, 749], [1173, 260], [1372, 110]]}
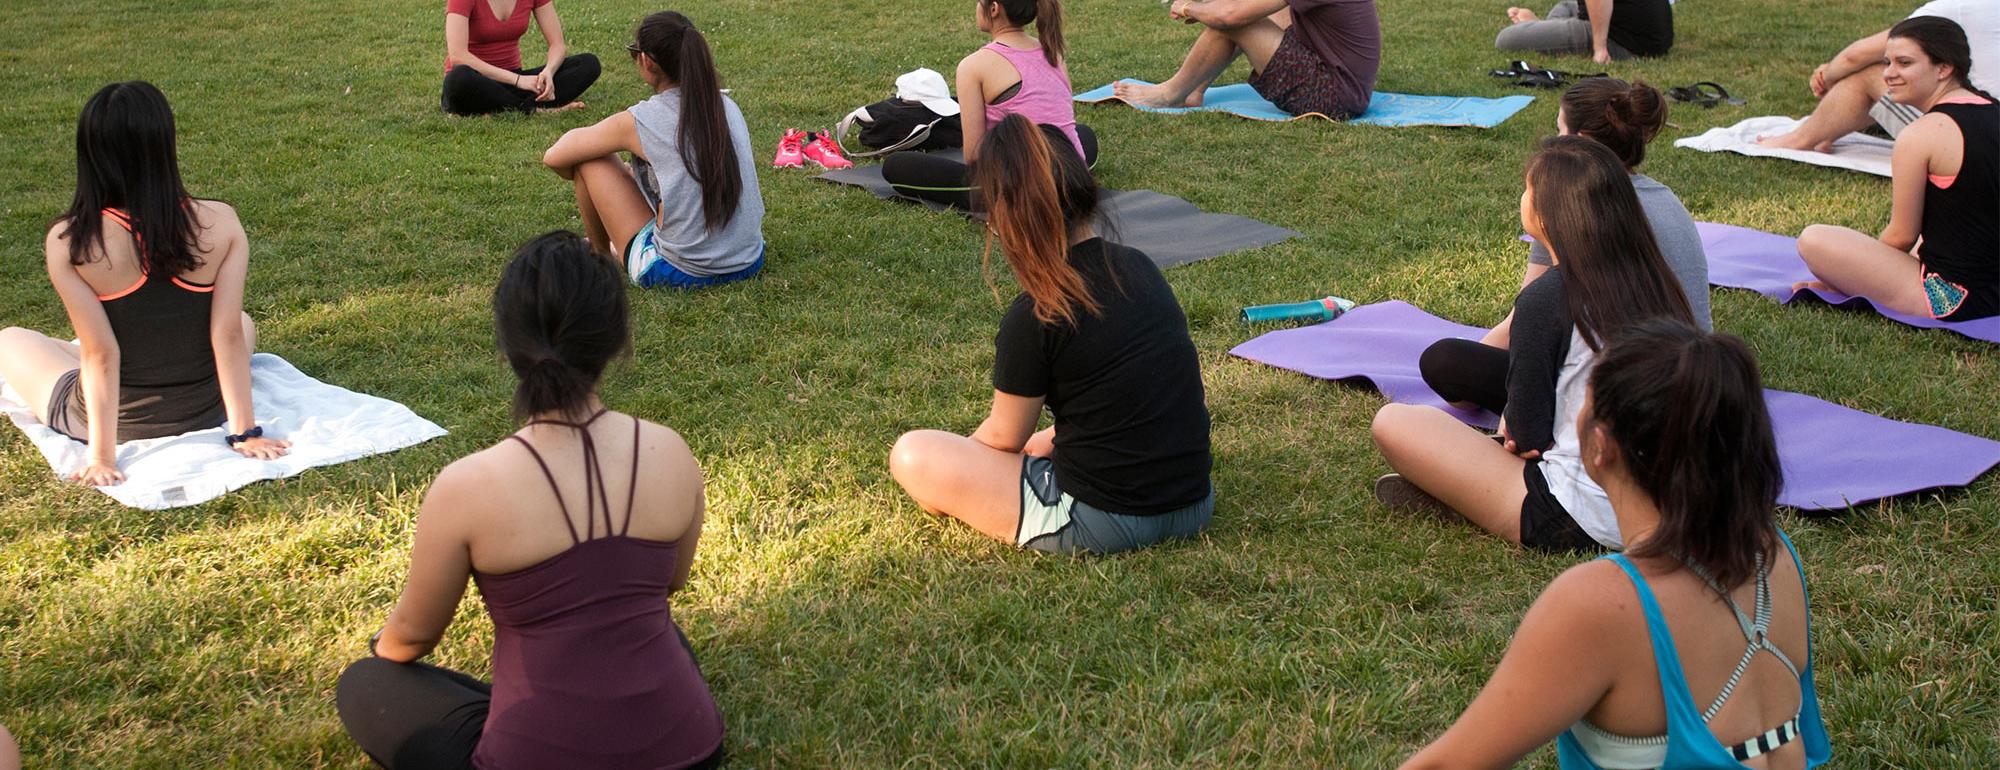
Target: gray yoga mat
{"points": [[1170, 230]]}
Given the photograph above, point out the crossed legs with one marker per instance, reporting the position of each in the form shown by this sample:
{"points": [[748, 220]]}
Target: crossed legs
{"points": [[962, 478], [1212, 53], [1855, 263], [1454, 463], [1842, 111], [612, 207]]}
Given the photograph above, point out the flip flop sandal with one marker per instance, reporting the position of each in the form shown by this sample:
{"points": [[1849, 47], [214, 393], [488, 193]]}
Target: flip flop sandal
{"points": [[1705, 94], [1515, 69], [1543, 79]]}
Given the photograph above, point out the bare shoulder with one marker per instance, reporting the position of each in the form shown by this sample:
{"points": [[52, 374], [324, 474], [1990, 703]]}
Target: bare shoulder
{"points": [[664, 444], [980, 63], [1595, 594], [1928, 131], [466, 481]]}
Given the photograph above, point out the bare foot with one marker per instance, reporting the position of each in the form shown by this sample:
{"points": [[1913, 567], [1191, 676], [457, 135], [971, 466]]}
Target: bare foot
{"points": [[564, 108], [1521, 15], [1817, 286], [1194, 99], [1141, 95]]}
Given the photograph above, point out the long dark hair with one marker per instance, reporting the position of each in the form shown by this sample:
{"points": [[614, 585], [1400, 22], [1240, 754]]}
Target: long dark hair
{"points": [[1034, 194], [559, 315], [707, 150], [1613, 272], [1686, 409], [1943, 40], [1046, 15], [125, 160], [1619, 115]]}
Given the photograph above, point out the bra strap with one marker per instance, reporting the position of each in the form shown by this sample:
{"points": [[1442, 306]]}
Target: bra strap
{"points": [[553, 489], [594, 493], [632, 492]]}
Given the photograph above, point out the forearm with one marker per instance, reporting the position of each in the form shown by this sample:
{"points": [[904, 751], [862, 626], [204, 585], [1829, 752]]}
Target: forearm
{"points": [[232, 369], [557, 52], [496, 74], [1600, 24], [999, 437], [1857, 56], [1229, 14], [398, 645], [99, 375]]}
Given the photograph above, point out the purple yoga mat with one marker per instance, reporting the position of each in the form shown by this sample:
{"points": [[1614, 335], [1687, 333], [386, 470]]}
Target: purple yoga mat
{"points": [[1742, 258], [1834, 457]]}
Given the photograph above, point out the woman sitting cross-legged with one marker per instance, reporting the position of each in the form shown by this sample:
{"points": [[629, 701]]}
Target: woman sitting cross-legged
{"points": [[1608, 275], [153, 281], [482, 65], [1693, 649], [708, 225], [1012, 74], [577, 529], [1097, 336], [1940, 255], [1624, 117]]}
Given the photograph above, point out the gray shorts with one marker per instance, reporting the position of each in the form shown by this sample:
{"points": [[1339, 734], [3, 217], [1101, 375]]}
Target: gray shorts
{"points": [[1054, 522], [1561, 31], [1893, 117]]}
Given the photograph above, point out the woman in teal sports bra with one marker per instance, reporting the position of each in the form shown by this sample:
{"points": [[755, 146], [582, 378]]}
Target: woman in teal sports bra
{"points": [[1692, 649]]}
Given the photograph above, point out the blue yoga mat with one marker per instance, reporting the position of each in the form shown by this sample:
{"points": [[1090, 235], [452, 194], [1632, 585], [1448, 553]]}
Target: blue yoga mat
{"points": [[1383, 109]]}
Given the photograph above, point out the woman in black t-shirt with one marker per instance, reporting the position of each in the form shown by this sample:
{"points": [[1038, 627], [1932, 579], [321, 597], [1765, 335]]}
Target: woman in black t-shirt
{"points": [[1098, 337]]}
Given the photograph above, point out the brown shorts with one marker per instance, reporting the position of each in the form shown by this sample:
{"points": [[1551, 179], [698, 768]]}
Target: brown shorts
{"points": [[66, 414], [1299, 82]]}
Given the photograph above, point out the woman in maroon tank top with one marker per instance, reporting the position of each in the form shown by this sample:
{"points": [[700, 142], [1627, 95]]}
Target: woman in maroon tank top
{"points": [[574, 551]]}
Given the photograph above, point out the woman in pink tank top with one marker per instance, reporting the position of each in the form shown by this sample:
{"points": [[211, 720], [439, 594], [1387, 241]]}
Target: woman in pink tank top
{"points": [[575, 553], [1013, 74]]}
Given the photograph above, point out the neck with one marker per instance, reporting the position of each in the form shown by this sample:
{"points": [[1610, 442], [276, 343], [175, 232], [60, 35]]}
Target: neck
{"points": [[1006, 34], [1081, 233], [590, 406], [1944, 91], [1637, 514]]}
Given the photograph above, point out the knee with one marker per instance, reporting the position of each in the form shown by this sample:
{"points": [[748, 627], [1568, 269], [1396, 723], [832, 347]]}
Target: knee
{"points": [[1815, 239], [357, 679], [1431, 364], [460, 75], [584, 63], [907, 456], [1390, 425]]}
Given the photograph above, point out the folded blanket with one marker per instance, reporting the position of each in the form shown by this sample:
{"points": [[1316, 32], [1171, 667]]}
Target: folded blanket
{"points": [[1384, 109], [1833, 457], [1769, 264], [1854, 152], [326, 425], [1169, 230]]}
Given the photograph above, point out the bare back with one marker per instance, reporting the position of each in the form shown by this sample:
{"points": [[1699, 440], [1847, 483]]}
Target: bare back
{"points": [[218, 237], [520, 522]]}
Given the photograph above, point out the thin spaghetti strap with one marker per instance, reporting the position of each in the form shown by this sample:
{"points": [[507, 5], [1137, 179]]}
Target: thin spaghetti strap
{"points": [[632, 492], [553, 489]]}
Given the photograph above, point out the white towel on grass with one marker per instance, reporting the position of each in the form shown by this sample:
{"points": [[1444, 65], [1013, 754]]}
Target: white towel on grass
{"points": [[1854, 152], [326, 424]]}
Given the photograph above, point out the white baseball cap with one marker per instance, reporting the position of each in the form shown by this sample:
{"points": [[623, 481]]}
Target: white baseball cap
{"points": [[927, 86]]}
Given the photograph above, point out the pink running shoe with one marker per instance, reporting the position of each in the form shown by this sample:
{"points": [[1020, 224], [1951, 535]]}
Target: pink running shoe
{"points": [[824, 151], [790, 154]]}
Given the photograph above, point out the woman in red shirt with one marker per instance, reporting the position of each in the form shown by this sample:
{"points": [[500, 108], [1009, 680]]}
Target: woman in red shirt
{"points": [[482, 65]]}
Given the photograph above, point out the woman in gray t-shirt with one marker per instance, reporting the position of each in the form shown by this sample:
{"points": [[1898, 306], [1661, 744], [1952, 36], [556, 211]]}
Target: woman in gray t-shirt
{"points": [[706, 226], [1625, 117]]}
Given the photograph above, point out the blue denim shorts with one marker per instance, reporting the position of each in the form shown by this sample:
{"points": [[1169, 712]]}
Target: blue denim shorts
{"points": [[648, 267], [1054, 522]]}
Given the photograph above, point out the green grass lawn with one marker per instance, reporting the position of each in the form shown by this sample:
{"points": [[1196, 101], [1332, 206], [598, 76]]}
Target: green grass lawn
{"points": [[838, 624]]}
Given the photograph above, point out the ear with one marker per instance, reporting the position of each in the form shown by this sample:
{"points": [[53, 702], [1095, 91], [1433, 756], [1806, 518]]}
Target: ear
{"points": [[1600, 451]]}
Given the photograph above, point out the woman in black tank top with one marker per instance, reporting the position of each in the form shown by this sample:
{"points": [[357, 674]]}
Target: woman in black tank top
{"points": [[152, 279], [1947, 191]]}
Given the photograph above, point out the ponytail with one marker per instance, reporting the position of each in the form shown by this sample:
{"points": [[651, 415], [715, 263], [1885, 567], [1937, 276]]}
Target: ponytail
{"points": [[1035, 193], [1619, 115], [1046, 15], [559, 316], [706, 147], [1686, 411], [1048, 28]]}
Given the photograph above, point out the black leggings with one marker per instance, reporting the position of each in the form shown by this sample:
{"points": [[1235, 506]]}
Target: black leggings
{"points": [[466, 92], [1467, 371], [929, 177], [416, 715]]}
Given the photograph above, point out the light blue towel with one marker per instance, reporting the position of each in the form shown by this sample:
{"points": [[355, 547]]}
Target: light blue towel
{"points": [[1383, 109]]}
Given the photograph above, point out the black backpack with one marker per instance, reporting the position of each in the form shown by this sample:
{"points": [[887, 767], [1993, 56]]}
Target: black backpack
{"points": [[893, 124]]}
